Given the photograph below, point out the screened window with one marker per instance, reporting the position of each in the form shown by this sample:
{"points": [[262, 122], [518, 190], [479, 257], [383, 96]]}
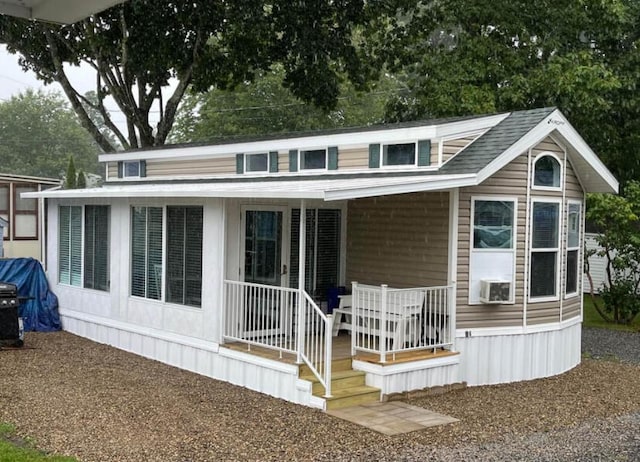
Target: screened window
{"points": [[573, 248], [313, 160], [544, 249], [399, 154], [257, 162], [96, 247], [547, 172], [184, 255], [146, 252], [493, 224], [70, 245], [25, 220], [322, 246]]}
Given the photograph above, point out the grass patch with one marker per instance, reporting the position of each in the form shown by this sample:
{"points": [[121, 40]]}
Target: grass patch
{"points": [[592, 318], [15, 449]]}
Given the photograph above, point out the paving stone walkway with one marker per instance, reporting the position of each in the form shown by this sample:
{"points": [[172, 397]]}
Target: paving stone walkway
{"points": [[392, 418]]}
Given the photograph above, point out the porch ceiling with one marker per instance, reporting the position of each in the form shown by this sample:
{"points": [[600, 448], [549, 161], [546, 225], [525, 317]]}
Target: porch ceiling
{"points": [[325, 189]]}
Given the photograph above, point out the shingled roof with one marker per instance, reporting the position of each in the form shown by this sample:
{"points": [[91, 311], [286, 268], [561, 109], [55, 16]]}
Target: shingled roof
{"points": [[495, 141]]}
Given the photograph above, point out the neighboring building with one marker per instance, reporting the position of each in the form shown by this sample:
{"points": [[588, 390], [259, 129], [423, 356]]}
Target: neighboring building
{"points": [[23, 237], [466, 231]]}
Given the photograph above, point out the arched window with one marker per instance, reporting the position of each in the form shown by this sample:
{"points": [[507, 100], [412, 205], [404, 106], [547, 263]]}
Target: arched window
{"points": [[547, 172]]}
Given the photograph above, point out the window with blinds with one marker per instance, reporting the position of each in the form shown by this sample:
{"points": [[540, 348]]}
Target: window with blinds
{"points": [[322, 262], [96, 247], [146, 252], [70, 245], [184, 256], [573, 248]]}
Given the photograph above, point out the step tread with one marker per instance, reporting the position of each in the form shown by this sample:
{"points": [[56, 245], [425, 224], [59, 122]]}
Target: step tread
{"points": [[352, 391], [335, 375]]}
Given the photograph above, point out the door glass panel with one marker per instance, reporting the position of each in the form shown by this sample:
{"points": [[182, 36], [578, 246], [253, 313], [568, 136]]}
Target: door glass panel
{"points": [[263, 237]]}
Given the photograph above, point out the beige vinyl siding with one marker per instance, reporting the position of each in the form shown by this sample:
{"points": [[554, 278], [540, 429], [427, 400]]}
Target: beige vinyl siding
{"points": [[571, 307], [349, 159], [112, 170], [191, 167], [283, 161], [511, 182], [452, 147], [398, 240], [543, 312]]}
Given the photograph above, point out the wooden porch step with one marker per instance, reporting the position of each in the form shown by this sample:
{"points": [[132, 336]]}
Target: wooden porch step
{"points": [[352, 396], [348, 387]]}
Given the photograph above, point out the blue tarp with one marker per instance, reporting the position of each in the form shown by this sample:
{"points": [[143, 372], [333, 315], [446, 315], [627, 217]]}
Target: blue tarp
{"points": [[41, 312]]}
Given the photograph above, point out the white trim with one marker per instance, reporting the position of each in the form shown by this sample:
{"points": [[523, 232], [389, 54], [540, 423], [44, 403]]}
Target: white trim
{"points": [[558, 249], [512, 250], [325, 189], [454, 204], [344, 140], [517, 330], [568, 249], [410, 366], [561, 174]]}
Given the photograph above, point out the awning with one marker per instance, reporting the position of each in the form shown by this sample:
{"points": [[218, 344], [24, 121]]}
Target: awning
{"points": [[325, 189], [62, 11]]}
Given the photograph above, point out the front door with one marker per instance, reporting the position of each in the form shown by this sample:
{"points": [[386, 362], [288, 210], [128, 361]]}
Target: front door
{"points": [[263, 246]]}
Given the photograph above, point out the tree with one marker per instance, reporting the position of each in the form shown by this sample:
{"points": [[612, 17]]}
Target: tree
{"points": [[138, 47], [618, 218], [38, 132], [265, 106], [463, 57], [71, 180]]}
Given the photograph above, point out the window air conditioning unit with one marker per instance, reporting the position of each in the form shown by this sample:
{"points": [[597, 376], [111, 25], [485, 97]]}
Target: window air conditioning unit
{"points": [[494, 291]]}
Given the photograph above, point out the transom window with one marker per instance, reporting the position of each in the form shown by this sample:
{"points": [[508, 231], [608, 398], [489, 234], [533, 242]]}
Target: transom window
{"points": [[547, 172], [313, 160], [256, 162], [399, 154], [493, 224], [544, 249]]}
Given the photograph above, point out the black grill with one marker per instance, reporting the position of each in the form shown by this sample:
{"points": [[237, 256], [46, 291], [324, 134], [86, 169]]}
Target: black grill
{"points": [[10, 334]]}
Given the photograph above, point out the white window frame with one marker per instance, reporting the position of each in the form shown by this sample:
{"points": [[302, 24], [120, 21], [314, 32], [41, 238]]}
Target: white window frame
{"points": [[557, 250], [561, 172], [326, 159], [246, 162], [125, 164], [163, 252], [384, 146], [577, 248], [476, 254]]}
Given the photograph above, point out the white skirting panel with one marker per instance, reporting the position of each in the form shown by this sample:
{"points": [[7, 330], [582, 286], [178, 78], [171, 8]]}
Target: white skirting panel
{"points": [[493, 359], [205, 358], [416, 375]]}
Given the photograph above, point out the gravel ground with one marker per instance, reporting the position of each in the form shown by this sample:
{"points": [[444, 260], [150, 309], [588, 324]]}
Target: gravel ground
{"points": [[79, 398], [607, 344]]}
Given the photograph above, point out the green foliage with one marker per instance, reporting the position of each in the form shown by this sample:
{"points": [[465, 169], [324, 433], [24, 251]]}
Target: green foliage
{"points": [[13, 449], [39, 132], [619, 219], [137, 46], [265, 106], [71, 179], [463, 57], [81, 182]]}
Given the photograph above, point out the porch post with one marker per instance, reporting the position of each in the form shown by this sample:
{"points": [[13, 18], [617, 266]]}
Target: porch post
{"points": [[383, 324], [301, 277]]}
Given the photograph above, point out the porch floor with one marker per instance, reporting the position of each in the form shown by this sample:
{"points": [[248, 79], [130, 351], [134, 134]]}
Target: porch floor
{"points": [[341, 350]]}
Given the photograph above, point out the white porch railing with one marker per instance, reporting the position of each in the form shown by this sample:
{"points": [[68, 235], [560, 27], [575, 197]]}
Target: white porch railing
{"points": [[279, 319], [389, 321]]}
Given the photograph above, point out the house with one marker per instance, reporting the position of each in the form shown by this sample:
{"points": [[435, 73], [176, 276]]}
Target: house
{"points": [[24, 234], [459, 240]]}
